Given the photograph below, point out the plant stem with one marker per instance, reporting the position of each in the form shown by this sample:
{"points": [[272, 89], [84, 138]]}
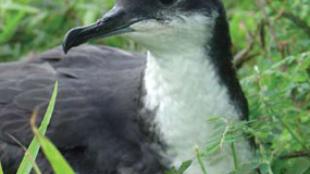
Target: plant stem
{"points": [[202, 166], [235, 157]]}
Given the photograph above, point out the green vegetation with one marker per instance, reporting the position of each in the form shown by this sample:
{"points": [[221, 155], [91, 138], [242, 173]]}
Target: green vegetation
{"points": [[274, 39], [272, 47]]}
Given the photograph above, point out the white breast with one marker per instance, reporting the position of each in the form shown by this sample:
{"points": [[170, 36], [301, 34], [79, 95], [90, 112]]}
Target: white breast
{"points": [[186, 93]]}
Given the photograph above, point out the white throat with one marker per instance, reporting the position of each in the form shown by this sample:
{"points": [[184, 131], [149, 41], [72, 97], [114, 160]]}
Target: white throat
{"points": [[184, 89]]}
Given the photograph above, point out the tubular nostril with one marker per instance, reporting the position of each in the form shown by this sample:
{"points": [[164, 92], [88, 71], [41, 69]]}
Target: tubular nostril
{"points": [[116, 10]]}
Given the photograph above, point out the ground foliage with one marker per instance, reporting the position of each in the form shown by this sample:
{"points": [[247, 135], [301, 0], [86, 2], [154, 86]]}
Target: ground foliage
{"points": [[272, 54]]}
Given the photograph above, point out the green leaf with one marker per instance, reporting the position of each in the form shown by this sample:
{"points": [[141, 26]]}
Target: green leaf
{"points": [[247, 168], [299, 166], [184, 166], [34, 147]]}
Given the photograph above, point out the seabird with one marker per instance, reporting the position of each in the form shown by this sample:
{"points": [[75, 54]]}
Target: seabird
{"points": [[124, 113]]}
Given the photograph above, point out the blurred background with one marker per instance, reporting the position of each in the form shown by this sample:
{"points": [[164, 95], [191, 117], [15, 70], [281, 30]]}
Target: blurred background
{"points": [[272, 54]]}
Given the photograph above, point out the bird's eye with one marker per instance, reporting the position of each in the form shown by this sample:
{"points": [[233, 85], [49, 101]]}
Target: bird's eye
{"points": [[167, 2]]}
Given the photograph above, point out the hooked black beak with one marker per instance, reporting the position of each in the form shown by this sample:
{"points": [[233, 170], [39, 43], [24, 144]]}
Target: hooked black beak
{"points": [[117, 21]]}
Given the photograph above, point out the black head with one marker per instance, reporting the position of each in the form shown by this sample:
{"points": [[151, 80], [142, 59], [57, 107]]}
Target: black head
{"points": [[152, 22]]}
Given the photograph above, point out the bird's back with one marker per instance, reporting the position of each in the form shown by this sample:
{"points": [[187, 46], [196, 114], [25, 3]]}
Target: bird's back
{"points": [[95, 122]]}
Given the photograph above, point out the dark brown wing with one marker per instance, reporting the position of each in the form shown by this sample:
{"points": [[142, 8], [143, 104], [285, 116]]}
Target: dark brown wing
{"points": [[94, 122]]}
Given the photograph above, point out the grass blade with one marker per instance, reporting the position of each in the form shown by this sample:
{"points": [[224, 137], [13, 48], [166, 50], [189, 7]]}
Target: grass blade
{"points": [[57, 161], [27, 154], [1, 170], [34, 147]]}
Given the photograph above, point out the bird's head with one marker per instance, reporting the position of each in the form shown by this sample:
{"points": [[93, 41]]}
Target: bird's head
{"points": [[155, 24]]}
